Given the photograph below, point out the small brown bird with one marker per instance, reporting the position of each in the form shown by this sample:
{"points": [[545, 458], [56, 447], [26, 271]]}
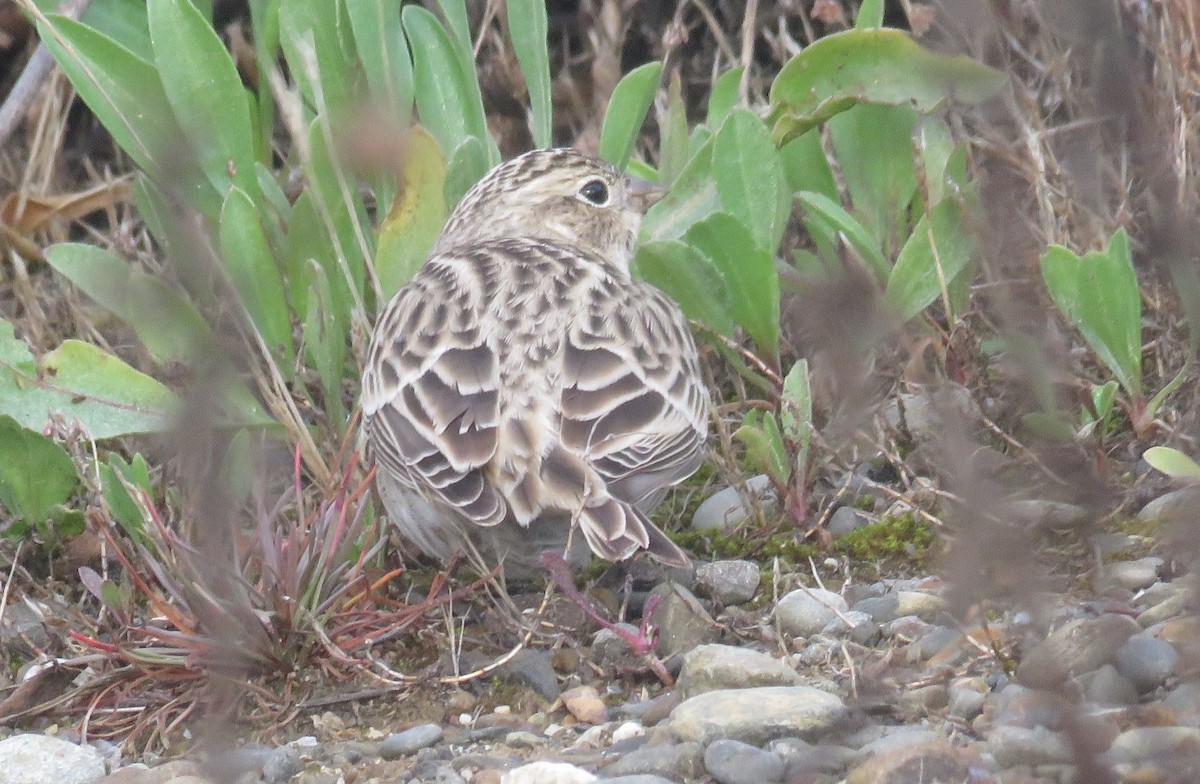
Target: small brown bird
{"points": [[523, 384]]}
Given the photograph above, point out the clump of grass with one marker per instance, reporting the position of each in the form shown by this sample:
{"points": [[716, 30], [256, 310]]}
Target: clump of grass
{"points": [[904, 537]]}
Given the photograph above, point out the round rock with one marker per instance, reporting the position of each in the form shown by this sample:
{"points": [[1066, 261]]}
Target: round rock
{"points": [[728, 582], [1146, 661], [1078, 647], [725, 508], [679, 761], [757, 715], [734, 762], [41, 759], [806, 611], [409, 741], [715, 667]]}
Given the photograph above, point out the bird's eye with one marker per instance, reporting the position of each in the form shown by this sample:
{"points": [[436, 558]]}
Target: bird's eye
{"points": [[595, 192]]}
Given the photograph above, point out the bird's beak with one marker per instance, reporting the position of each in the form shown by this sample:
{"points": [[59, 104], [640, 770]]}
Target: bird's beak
{"points": [[643, 194]]}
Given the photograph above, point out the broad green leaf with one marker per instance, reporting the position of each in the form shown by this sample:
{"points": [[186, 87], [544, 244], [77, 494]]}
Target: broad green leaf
{"points": [[413, 223], [445, 86], [252, 269], [870, 14], [627, 108], [344, 216], [935, 149], [36, 474], [530, 38], [806, 167], [871, 66], [874, 147], [1103, 397], [468, 163], [693, 197], [938, 250], [690, 279], [457, 25], [379, 38], [124, 21], [78, 381], [264, 18], [307, 243], [325, 329], [724, 96], [1173, 463], [1098, 293], [835, 221], [167, 323], [764, 444], [174, 227], [750, 178], [749, 274], [311, 36], [673, 153], [795, 410], [120, 502], [205, 92], [120, 88]]}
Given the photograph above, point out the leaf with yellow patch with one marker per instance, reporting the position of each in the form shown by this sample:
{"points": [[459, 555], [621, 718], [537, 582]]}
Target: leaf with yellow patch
{"points": [[416, 217]]}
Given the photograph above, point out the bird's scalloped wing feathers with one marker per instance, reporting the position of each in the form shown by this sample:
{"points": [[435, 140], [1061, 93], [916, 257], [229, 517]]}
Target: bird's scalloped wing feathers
{"points": [[430, 396], [633, 400]]}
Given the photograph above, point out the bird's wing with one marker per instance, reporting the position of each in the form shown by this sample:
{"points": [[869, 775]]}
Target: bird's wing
{"points": [[634, 403], [430, 391]]}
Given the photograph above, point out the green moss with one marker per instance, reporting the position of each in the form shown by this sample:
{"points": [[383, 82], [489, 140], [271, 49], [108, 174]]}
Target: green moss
{"points": [[905, 536]]}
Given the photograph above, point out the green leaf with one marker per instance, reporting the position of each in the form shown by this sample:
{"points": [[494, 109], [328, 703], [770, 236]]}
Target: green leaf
{"points": [[78, 381], [379, 38], [124, 21], [120, 502], [252, 269], [871, 66], [806, 167], [166, 322], [673, 152], [724, 96], [311, 36], [749, 274], [344, 216], [205, 92], [530, 38], [795, 410], [938, 250], [874, 146], [445, 86], [1098, 293], [690, 279], [764, 445], [413, 223], [36, 474], [870, 14], [468, 164], [120, 88], [693, 197], [1173, 463], [835, 221], [627, 108], [750, 178]]}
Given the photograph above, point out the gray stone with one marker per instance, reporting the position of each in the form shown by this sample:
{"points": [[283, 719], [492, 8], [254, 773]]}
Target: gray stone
{"points": [[1143, 743], [677, 761], [546, 772], [1080, 646], [400, 744], [1106, 686], [934, 760], [1146, 661], [1013, 746], [925, 606], [279, 765], [724, 509], [888, 739], [1184, 700], [806, 611], [681, 620], [1132, 575], [854, 624], [1047, 514], [1182, 506], [924, 413], [846, 519], [966, 698], [610, 648], [533, 668], [802, 757], [734, 762], [1165, 606], [757, 715], [728, 582], [715, 667], [41, 759], [1020, 706], [882, 609]]}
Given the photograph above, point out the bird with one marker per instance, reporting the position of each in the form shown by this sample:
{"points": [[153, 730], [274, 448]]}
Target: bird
{"points": [[523, 393]]}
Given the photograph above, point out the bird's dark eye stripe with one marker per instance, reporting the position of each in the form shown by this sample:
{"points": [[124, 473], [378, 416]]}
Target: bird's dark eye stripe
{"points": [[595, 191]]}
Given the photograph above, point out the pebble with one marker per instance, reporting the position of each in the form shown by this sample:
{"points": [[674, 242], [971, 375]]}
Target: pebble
{"points": [[681, 620], [757, 715], [724, 509], [535, 669], [1079, 646], [1146, 661], [882, 609], [1013, 746], [1177, 505], [1143, 743], [729, 582], [846, 519], [682, 761], [1106, 686], [934, 760], [1047, 514], [401, 744], [965, 698], [925, 606], [1132, 575], [41, 759], [610, 648], [733, 762], [639, 778], [714, 667], [806, 611], [584, 704], [545, 772]]}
